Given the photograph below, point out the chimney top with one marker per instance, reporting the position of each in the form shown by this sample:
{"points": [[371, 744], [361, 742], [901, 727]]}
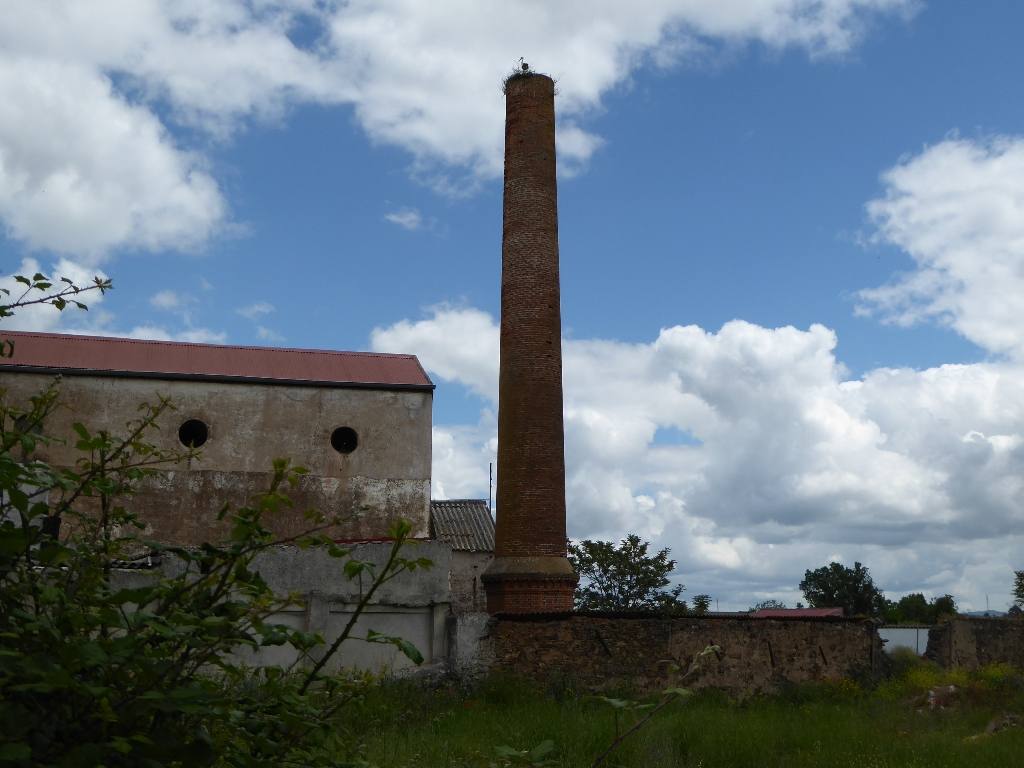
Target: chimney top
{"points": [[521, 76]]}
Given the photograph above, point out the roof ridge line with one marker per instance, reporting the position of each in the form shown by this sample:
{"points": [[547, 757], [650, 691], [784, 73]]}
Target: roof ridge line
{"points": [[251, 347]]}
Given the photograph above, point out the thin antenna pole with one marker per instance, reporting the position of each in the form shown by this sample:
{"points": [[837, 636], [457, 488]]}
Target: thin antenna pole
{"points": [[490, 485]]}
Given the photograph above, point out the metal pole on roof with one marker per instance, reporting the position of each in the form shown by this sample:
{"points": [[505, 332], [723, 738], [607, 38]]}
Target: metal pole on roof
{"points": [[490, 485]]}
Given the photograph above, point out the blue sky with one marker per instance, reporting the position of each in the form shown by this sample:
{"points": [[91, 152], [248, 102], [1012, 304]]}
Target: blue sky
{"points": [[782, 227]]}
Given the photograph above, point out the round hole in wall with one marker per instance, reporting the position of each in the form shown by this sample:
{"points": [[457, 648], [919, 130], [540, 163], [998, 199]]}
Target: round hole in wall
{"points": [[193, 433], [344, 440]]}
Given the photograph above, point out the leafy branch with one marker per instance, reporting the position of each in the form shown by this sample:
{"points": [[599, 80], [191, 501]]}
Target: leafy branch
{"points": [[58, 294], [668, 696]]}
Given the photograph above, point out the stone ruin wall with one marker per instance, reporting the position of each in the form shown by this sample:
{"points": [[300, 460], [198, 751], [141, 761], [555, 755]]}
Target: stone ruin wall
{"points": [[597, 652], [974, 643]]}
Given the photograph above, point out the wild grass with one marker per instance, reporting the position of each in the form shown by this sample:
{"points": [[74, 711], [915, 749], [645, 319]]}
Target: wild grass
{"points": [[837, 724]]}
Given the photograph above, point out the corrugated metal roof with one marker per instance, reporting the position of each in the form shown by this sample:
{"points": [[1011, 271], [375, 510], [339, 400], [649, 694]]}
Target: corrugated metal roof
{"points": [[802, 613], [464, 524], [102, 355]]}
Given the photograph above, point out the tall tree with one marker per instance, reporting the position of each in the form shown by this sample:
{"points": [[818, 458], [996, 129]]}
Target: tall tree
{"points": [[836, 586], [918, 609], [1018, 588], [701, 604], [624, 577]]}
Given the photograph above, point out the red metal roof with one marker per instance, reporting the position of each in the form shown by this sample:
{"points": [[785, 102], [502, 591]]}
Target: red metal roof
{"points": [[803, 613], [102, 355]]}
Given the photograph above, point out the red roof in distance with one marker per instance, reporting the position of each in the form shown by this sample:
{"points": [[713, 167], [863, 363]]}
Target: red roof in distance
{"points": [[71, 354]]}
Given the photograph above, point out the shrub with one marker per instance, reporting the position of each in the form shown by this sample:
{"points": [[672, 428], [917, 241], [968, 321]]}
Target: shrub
{"points": [[901, 660], [97, 672]]}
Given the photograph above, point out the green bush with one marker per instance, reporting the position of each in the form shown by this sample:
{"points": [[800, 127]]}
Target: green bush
{"points": [[899, 661]]}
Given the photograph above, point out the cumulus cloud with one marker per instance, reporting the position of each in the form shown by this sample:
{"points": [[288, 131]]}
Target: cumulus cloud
{"points": [[92, 94], [468, 354], [915, 473], [83, 171], [424, 74], [461, 455], [957, 209]]}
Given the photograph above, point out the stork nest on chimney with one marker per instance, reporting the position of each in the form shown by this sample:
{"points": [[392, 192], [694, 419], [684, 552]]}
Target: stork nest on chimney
{"points": [[522, 74]]}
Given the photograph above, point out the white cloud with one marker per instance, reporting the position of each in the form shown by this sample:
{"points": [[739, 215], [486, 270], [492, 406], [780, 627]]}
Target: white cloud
{"points": [[268, 334], [406, 218], [159, 333], [165, 299], [470, 356], [915, 473], [461, 455], [92, 94], [255, 310], [83, 171], [424, 76], [957, 209]]}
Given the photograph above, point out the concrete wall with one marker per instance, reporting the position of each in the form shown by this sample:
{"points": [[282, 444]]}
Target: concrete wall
{"points": [[973, 643], [413, 606], [596, 652], [467, 590], [385, 478]]}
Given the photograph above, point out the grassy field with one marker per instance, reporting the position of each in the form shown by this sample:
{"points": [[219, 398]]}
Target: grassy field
{"points": [[841, 724]]}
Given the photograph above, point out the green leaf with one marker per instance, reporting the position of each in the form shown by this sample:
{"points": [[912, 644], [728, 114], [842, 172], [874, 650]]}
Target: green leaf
{"points": [[12, 540], [410, 651], [355, 567], [542, 750]]}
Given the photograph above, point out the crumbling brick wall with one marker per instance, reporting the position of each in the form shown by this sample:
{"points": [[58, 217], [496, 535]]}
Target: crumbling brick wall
{"points": [[973, 643], [757, 655]]}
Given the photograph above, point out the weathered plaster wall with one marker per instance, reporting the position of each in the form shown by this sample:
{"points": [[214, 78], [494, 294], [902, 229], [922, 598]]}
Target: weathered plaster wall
{"points": [[385, 478], [467, 590], [597, 652], [973, 643], [413, 606]]}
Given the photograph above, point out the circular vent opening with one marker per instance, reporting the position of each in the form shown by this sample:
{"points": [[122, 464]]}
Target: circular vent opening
{"points": [[344, 440], [193, 433]]}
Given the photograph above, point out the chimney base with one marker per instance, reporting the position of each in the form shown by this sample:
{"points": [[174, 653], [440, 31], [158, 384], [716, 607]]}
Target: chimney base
{"points": [[525, 585]]}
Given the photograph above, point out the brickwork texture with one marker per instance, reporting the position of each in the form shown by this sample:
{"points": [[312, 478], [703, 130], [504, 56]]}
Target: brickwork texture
{"points": [[531, 460]]}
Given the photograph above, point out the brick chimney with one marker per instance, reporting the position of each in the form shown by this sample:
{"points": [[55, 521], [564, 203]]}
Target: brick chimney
{"points": [[530, 573]]}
